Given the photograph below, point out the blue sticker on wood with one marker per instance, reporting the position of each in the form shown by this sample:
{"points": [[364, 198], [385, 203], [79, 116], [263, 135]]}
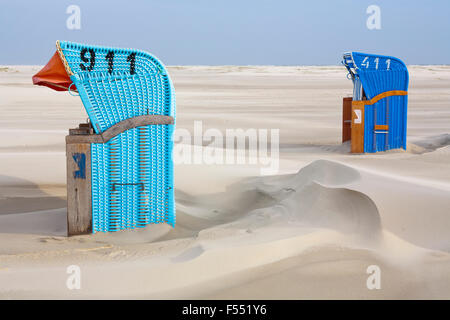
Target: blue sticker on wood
{"points": [[80, 160]]}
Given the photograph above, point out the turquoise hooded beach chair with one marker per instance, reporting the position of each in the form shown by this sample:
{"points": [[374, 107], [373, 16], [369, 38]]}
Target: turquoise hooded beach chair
{"points": [[130, 101]]}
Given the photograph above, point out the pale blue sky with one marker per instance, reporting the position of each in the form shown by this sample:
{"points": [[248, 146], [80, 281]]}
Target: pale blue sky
{"points": [[237, 32]]}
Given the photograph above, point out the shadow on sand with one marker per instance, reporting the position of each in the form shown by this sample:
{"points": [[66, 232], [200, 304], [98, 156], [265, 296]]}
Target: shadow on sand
{"points": [[26, 208]]}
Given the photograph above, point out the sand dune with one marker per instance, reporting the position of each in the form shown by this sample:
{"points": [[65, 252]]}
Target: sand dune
{"points": [[309, 231], [294, 220]]}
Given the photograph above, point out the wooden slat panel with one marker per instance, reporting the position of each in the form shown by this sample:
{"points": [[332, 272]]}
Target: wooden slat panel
{"points": [[346, 119], [118, 128], [79, 198], [357, 145]]}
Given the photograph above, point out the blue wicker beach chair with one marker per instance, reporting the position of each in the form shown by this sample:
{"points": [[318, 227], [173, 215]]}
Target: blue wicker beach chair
{"points": [[131, 168], [379, 103]]}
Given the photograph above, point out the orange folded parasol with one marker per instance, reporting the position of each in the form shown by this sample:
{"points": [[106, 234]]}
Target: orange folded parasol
{"points": [[54, 75]]}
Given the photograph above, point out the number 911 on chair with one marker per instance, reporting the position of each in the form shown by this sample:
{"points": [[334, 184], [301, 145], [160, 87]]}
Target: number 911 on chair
{"points": [[119, 164], [375, 118]]}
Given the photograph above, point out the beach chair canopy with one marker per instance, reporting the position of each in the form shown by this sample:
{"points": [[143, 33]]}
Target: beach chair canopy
{"points": [[114, 84], [376, 74]]}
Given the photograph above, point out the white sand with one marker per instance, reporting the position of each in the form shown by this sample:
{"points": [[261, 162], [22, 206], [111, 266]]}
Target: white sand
{"points": [[309, 232]]}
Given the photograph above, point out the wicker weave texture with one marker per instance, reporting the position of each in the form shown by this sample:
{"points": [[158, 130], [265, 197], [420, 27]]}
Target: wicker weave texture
{"points": [[133, 179], [135, 83], [132, 174]]}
